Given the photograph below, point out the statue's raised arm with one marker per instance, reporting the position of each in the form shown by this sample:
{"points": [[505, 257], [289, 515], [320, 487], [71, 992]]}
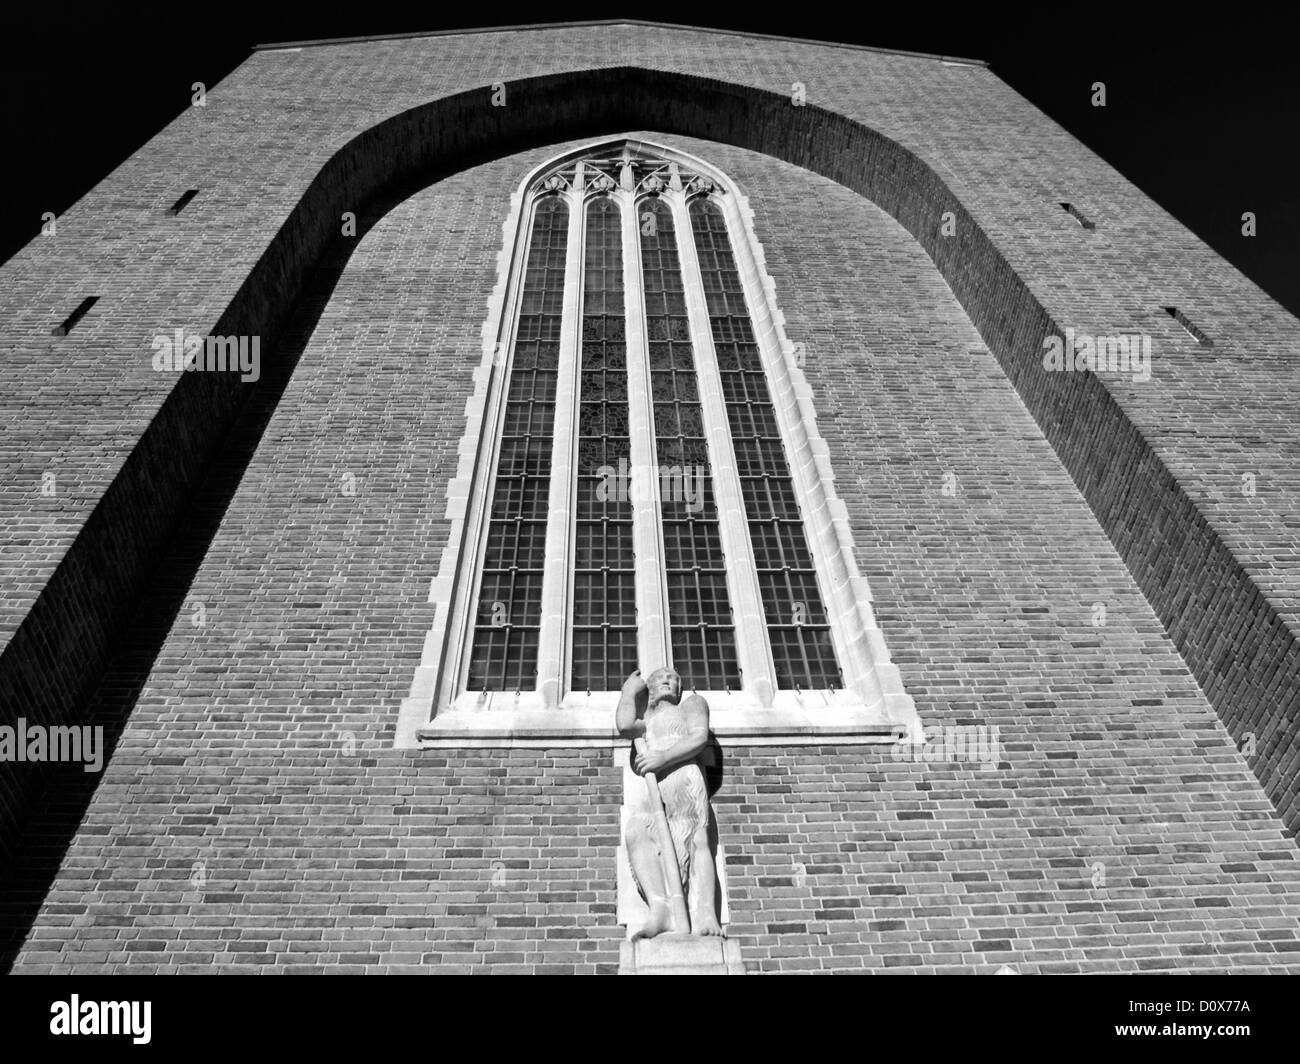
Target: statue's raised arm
{"points": [[626, 720]]}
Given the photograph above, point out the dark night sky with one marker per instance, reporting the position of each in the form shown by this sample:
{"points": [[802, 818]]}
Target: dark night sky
{"points": [[1202, 116]]}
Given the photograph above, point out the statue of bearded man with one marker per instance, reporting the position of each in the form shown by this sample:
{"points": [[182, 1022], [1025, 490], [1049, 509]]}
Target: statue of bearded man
{"points": [[676, 731]]}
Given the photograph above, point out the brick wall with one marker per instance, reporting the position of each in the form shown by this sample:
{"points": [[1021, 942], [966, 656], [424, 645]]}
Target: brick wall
{"points": [[293, 138], [255, 817]]}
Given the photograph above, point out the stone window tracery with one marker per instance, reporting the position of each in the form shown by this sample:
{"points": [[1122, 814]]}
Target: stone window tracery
{"points": [[644, 485]]}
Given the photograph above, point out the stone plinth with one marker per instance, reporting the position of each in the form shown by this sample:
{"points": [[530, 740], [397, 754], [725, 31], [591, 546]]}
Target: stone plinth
{"points": [[681, 955]]}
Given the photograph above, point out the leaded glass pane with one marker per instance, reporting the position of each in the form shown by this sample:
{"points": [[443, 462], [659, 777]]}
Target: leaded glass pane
{"points": [[503, 655], [604, 579]]}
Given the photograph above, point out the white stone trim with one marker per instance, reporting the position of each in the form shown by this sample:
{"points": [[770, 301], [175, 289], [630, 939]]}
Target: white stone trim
{"points": [[809, 718], [439, 713], [442, 658], [653, 643]]}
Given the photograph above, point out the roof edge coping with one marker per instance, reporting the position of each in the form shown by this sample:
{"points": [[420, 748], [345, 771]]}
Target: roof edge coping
{"points": [[326, 41]]}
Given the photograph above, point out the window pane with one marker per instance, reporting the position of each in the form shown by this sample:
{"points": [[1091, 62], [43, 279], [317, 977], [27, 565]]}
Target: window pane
{"points": [[600, 456], [509, 597], [516, 498], [506, 540], [603, 652], [697, 650], [503, 658], [802, 651], [699, 610], [504, 652], [604, 545]]}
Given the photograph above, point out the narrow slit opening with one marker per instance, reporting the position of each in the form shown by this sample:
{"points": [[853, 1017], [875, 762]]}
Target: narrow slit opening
{"points": [[1078, 216], [1188, 326], [181, 203], [75, 316]]}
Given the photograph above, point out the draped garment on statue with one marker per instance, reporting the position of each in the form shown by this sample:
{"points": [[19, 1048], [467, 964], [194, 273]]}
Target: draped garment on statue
{"points": [[684, 794]]}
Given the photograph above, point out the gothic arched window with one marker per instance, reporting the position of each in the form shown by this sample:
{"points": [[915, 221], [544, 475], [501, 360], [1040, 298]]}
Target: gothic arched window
{"points": [[642, 484]]}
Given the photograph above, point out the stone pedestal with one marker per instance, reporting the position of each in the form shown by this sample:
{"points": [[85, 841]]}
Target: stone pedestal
{"points": [[681, 955], [670, 954]]}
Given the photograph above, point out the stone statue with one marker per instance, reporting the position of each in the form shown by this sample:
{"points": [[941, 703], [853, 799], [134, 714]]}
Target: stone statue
{"points": [[669, 740]]}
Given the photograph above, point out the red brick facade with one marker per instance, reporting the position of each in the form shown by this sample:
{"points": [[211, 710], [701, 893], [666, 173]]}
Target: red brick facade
{"points": [[214, 594]]}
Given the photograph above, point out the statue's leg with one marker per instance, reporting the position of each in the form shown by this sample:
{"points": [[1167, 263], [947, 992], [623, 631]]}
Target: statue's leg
{"points": [[647, 867], [704, 920]]}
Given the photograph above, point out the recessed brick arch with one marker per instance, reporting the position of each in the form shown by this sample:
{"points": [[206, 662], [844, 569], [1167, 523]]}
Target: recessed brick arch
{"points": [[1241, 651], [1218, 619]]}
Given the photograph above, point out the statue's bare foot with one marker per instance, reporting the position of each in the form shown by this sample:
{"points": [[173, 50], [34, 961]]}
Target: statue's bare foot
{"points": [[660, 921], [705, 923]]}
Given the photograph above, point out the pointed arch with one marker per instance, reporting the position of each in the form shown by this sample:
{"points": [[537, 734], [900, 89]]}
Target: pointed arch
{"points": [[673, 472]]}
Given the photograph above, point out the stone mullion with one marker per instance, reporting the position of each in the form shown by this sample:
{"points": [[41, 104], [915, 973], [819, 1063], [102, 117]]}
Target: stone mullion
{"points": [[758, 676], [557, 577], [654, 649]]}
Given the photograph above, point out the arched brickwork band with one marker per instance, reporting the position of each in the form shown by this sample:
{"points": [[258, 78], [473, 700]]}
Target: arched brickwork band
{"points": [[1241, 651]]}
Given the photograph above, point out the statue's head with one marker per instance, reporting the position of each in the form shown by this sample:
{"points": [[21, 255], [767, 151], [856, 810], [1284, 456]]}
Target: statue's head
{"points": [[664, 685]]}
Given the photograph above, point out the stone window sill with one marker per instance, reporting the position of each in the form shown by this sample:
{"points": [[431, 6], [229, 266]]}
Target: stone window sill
{"points": [[813, 718]]}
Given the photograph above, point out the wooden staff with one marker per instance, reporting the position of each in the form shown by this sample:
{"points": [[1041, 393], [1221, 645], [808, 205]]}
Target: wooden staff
{"points": [[667, 852]]}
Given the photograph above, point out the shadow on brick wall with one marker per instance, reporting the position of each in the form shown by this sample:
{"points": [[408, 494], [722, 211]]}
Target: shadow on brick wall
{"points": [[58, 810]]}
